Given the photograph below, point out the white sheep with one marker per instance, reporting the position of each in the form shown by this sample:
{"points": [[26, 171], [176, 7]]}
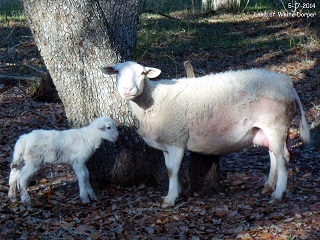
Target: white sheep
{"points": [[214, 114], [73, 147]]}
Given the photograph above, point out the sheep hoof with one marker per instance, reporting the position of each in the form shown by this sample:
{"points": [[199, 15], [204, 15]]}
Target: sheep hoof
{"points": [[167, 204], [276, 197]]}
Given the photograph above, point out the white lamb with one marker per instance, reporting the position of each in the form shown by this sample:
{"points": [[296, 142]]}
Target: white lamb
{"points": [[214, 114], [74, 147]]}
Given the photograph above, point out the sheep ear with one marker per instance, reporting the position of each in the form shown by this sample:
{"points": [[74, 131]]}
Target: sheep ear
{"points": [[109, 70], [152, 72]]}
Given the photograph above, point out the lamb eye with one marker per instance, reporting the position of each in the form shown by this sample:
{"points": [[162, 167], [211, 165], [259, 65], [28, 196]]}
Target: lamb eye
{"points": [[109, 127]]}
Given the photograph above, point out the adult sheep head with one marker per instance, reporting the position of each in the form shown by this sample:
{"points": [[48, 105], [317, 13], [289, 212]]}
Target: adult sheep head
{"points": [[130, 77]]}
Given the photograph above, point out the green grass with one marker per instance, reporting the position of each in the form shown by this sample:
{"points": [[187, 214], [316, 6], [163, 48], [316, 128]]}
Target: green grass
{"points": [[238, 32], [264, 5], [158, 34], [185, 31], [166, 6], [169, 6], [10, 10]]}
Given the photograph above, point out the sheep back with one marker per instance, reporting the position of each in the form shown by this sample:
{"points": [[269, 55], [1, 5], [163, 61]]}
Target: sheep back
{"points": [[56, 147], [174, 105]]}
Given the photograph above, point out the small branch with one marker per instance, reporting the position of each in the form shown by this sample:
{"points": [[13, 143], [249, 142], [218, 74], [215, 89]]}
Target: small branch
{"points": [[18, 45], [35, 69], [12, 77], [285, 6], [189, 69]]}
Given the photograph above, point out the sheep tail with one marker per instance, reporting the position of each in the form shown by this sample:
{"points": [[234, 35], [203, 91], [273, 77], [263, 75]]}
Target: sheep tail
{"points": [[19, 149], [304, 127]]}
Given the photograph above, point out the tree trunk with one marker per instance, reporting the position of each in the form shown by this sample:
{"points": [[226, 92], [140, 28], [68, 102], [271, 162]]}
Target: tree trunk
{"points": [[46, 92], [221, 5], [75, 39], [204, 173]]}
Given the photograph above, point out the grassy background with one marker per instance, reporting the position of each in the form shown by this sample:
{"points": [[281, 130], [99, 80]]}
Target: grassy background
{"points": [[10, 10], [170, 33]]}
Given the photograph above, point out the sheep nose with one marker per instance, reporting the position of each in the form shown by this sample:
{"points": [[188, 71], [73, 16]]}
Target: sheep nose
{"points": [[128, 91]]}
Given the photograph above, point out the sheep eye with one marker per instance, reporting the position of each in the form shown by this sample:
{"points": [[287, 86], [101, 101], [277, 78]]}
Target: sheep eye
{"points": [[109, 127]]}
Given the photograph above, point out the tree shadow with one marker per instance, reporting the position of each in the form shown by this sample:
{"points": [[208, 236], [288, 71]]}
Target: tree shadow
{"points": [[218, 45], [19, 54]]}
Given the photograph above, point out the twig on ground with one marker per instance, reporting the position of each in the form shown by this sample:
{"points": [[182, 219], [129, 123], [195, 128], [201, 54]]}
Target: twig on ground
{"points": [[13, 77], [35, 69]]}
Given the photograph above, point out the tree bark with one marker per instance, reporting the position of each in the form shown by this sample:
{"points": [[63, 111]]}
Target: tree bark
{"points": [[221, 5], [76, 38], [204, 173], [46, 92]]}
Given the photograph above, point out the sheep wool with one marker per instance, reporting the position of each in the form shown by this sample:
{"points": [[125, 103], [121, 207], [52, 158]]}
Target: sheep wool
{"points": [[176, 104], [214, 114]]}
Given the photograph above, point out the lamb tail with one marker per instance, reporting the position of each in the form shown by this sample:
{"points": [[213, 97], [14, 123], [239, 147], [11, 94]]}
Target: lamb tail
{"points": [[19, 149]]}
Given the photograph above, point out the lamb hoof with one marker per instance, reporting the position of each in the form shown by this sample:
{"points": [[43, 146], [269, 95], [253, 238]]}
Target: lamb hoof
{"points": [[13, 199], [266, 190], [85, 201], [26, 200], [93, 197], [26, 203], [274, 201]]}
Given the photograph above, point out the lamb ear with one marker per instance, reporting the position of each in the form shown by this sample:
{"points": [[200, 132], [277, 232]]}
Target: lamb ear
{"points": [[101, 126], [109, 70], [152, 72]]}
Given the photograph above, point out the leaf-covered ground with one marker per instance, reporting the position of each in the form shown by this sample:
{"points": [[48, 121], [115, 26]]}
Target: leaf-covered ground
{"points": [[239, 212]]}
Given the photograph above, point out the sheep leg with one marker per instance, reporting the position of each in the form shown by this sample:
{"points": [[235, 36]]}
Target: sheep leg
{"points": [[26, 172], [286, 152], [13, 178], [261, 139], [270, 184], [173, 158], [81, 176], [281, 185], [282, 175], [87, 181]]}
